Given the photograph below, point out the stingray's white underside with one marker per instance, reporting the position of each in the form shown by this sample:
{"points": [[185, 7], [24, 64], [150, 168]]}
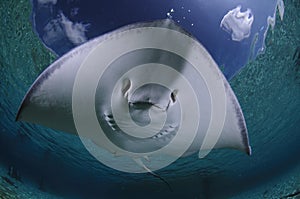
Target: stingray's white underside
{"points": [[49, 100]]}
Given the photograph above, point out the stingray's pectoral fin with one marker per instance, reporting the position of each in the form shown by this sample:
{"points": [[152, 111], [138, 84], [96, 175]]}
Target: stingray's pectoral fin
{"points": [[48, 102], [235, 126], [234, 134]]}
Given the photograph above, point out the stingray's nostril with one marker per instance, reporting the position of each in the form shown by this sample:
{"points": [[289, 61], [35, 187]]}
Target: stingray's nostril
{"points": [[126, 86], [173, 96]]}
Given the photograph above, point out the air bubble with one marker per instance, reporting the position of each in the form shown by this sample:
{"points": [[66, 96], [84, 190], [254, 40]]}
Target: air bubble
{"points": [[169, 15]]}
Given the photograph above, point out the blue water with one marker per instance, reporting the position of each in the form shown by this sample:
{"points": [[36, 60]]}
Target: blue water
{"points": [[46, 163], [201, 19]]}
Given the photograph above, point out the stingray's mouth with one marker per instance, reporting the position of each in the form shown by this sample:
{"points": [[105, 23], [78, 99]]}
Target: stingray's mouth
{"points": [[143, 105], [148, 96]]}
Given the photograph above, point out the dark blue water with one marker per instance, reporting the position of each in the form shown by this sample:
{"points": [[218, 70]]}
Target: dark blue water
{"points": [[40, 162], [201, 19]]}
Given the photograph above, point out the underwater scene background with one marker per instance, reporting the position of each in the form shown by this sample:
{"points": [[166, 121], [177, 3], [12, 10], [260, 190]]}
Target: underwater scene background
{"points": [[37, 162]]}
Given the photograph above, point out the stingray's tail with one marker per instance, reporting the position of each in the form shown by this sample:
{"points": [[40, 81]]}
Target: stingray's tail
{"points": [[140, 162]]}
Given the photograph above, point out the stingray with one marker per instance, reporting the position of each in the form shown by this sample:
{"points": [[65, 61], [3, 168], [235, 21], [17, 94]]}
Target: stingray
{"points": [[151, 88]]}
